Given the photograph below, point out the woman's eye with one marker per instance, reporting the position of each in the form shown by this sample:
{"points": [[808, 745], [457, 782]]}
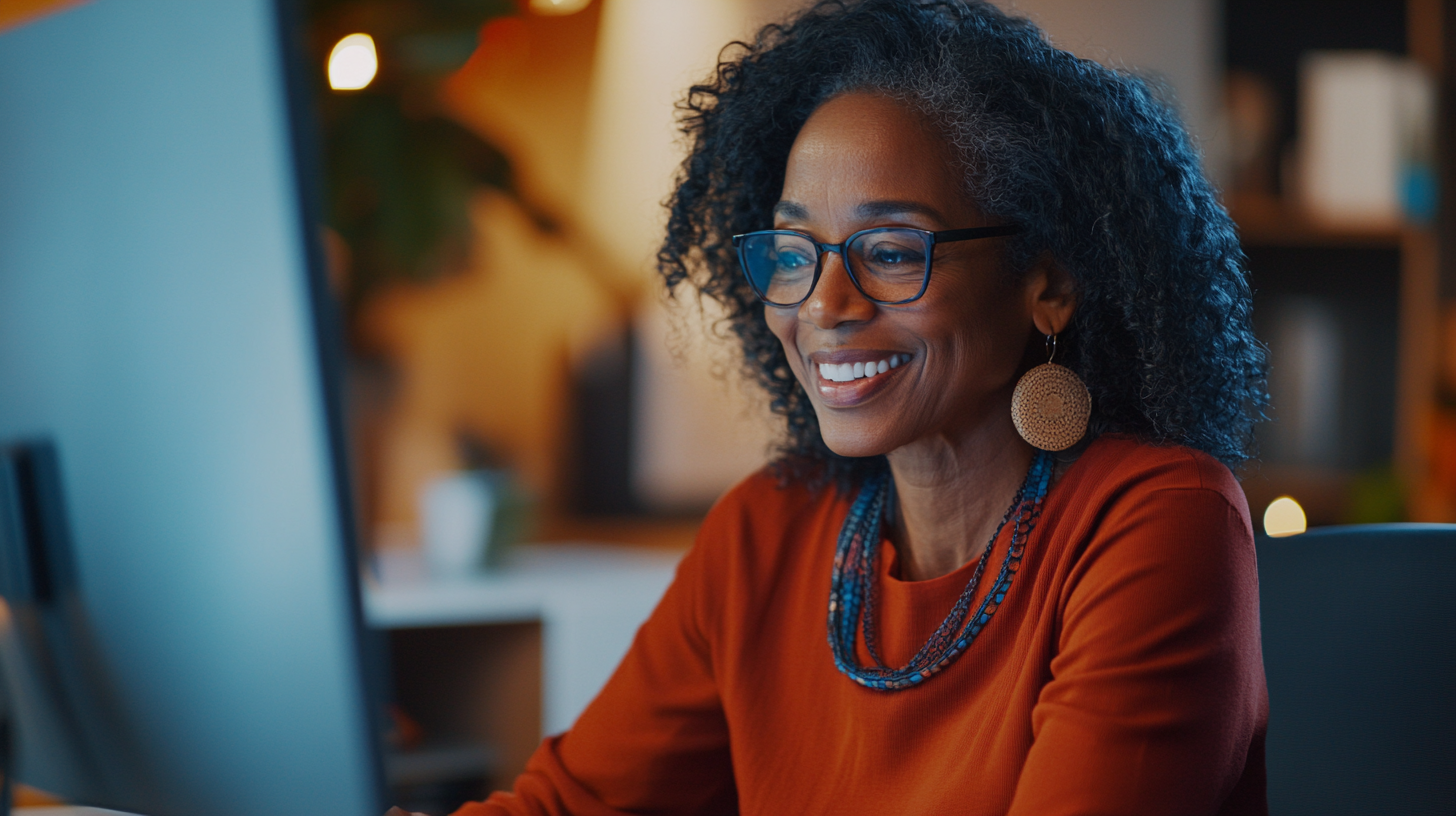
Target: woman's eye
{"points": [[793, 259], [891, 255]]}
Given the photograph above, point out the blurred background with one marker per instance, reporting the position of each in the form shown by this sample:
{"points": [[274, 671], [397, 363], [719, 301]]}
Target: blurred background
{"points": [[494, 204], [492, 175]]}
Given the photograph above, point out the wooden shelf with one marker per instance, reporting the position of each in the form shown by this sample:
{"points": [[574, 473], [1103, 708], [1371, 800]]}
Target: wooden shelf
{"points": [[1265, 220]]}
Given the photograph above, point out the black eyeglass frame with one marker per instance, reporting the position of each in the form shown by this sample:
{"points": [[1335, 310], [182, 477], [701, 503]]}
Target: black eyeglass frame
{"points": [[932, 238]]}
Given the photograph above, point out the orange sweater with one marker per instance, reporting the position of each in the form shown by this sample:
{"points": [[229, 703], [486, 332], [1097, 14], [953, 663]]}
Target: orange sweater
{"points": [[1121, 676]]}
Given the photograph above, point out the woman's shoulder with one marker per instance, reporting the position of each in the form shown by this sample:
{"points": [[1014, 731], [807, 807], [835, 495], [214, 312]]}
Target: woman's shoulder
{"points": [[764, 484], [771, 490], [1124, 496], [766, 518], [1117, 467], [1156, 553], [761, 532], [1128, 506], [768, 500]]}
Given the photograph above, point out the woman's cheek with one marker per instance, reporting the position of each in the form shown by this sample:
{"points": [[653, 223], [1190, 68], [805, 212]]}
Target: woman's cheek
{"points": [[785, 329]]}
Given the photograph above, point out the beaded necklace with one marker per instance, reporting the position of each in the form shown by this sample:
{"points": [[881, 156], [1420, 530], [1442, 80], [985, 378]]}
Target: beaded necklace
{"points": [[851, 591]]}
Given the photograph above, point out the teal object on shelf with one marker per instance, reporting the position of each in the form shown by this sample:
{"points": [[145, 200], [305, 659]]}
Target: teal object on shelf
{"points": [[1419, 192]]}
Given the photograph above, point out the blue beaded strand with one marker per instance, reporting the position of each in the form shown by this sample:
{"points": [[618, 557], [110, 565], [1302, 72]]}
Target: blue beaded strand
{"points": [[851, 589]]}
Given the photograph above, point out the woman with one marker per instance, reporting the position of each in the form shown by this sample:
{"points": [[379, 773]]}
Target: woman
{"points": [[950, 593]]}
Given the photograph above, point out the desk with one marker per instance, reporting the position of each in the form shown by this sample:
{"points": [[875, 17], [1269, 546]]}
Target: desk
{"points": [[588, 598]]}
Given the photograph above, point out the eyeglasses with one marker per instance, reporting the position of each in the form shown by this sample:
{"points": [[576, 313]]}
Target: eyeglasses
{"points": [[888, 265]]}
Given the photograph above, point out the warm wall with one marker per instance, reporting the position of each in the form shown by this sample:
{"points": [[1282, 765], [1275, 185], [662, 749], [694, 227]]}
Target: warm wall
{"points": [[19, 12], [583, 105], [486, 353]]}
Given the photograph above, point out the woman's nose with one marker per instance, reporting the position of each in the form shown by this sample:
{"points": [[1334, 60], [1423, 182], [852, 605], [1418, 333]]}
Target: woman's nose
{"points": [[835, 299]]}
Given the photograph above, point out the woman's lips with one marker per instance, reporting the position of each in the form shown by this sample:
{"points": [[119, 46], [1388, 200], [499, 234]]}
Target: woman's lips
{"points": [[844, 381]]}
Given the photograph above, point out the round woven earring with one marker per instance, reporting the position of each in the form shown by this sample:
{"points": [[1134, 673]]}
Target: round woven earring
{"points": [[1051, 405]]}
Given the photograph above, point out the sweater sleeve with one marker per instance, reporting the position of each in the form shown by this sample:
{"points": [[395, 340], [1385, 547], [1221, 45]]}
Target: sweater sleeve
{"points": [[654, 740], [1156, 687]]}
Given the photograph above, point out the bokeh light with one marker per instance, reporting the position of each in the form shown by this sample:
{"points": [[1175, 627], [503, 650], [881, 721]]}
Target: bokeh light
{"points": [[353, 63], [1284, 517], [558, 6]]}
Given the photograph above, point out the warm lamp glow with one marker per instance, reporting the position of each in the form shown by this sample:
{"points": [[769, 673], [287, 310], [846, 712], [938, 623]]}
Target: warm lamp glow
{"points": [[353, 63], [1284, 517], [558, 6]]}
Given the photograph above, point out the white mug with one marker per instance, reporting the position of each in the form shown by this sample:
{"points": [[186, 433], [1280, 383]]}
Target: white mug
{"points": [[457, 515]]}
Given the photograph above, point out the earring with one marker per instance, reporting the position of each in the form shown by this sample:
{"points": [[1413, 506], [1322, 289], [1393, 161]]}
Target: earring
{"points": [[1051, 404]]}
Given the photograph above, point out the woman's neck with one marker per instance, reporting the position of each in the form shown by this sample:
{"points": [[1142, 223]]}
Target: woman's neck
{"points": [[951, 494]]}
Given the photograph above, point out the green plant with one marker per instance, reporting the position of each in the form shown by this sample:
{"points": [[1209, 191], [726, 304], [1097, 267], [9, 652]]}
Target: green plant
{"points": [[399, 173]]}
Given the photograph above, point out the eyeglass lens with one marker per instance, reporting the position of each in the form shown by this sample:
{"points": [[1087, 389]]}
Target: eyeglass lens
{"points": [[887, 264]]}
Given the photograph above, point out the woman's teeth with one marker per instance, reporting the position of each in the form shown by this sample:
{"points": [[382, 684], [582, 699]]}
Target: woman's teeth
{"points": [[848, 372]]}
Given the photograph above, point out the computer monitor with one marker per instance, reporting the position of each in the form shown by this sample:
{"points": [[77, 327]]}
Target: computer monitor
{"points": [[184, 631]]}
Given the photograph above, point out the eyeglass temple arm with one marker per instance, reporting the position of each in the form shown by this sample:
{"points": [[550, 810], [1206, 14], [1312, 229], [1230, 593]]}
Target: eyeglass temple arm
{"points": [[945, 236]]}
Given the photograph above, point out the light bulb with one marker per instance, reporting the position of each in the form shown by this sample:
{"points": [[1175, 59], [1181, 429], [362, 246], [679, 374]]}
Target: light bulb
{"points": [[558, 7], [1284, 517], [353, 63]]}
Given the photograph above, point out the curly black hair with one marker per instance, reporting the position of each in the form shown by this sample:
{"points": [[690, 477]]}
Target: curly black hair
{"points": [[1088, 160]]}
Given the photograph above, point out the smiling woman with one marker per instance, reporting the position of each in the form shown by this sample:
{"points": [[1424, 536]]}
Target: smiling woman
{"points": [[1000, 564]]}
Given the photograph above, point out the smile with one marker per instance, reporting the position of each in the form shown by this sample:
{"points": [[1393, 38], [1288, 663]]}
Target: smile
{"points": [[854, 382], [849, 372]]}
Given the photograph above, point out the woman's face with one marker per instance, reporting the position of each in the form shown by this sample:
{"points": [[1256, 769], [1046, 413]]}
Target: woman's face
{"points": [[866, 161]]}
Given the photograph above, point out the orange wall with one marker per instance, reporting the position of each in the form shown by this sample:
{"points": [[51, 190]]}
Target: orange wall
{"points": [[18, 12]]}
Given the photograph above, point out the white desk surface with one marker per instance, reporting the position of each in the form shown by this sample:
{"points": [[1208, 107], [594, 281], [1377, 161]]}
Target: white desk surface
{"points": [[534, 580]]}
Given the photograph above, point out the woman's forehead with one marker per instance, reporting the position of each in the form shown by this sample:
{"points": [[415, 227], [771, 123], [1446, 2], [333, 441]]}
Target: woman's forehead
{"points": [[865, 156]]}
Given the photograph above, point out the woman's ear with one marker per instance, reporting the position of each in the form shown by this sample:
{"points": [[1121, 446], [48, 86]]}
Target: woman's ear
{"points": [[1052, 294]]}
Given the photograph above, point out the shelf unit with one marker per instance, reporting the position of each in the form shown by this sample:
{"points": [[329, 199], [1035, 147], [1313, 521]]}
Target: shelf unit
{"points": [[1265, 222], [487, 665], [1270, 49]]}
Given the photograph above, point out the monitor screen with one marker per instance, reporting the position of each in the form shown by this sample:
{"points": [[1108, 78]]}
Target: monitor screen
{"points": [[183, 628]]}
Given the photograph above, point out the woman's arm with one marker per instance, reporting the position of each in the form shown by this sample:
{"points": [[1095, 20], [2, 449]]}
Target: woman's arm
{"points": [[1157, 692]]}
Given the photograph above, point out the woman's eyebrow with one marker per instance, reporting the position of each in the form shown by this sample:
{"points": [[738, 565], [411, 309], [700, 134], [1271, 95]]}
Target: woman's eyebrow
{"points": [[881, 209], [794, 211], [791, 211]]}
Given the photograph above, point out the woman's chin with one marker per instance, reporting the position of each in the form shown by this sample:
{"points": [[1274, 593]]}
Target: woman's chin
{"points": [[856, 444]]}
